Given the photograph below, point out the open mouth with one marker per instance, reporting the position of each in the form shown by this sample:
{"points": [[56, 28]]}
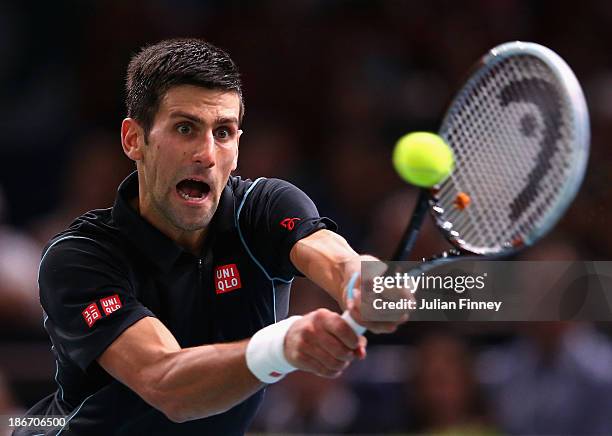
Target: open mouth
{"points": [[192, 190]]}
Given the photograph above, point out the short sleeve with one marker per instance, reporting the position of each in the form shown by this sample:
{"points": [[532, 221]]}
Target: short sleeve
{"points": [[276, 215], [87, 298]]}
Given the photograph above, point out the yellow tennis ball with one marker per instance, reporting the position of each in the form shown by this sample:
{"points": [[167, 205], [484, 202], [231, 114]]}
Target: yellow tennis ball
{"points": [[423, 159]]}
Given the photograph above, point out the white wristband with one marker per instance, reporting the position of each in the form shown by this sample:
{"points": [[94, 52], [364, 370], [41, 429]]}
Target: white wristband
{"points": [[265, 353]]}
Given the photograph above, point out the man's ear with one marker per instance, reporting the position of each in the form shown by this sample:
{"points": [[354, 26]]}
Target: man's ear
{"points": [[132, 139], [235, 164]]}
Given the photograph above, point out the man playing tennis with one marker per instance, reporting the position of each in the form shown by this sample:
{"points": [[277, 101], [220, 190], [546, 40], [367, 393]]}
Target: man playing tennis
{"points": [[166, 312]]}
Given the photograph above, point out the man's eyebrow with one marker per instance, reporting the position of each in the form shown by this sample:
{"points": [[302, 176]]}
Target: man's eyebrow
{"points": [[181, 114], [226, 120], [196, 119]]}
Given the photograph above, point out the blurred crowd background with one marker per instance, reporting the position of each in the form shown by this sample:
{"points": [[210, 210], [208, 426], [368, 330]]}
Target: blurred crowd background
{"points": [[329, 87]]}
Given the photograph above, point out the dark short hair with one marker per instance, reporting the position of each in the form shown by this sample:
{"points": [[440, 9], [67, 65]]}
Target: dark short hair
{"points": [[189, 61]]}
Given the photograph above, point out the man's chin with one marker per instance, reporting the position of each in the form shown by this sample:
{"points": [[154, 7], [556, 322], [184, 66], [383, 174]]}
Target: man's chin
{"points": [[188, 219], [193, 225], [194, 217]]}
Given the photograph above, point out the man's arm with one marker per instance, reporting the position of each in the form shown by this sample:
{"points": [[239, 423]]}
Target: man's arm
{"points": [[197, 382], [329, 261], [184, 383]]}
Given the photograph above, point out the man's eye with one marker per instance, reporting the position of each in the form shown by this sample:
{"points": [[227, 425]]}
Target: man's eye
{"points": [[183, 129], [223, 133]]}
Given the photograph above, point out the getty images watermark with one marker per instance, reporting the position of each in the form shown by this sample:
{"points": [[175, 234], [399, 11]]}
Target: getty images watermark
{"points": [[410, 284], [488, 291]]}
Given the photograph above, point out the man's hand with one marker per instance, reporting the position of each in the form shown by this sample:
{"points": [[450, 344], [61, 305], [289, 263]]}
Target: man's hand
{"points": [[322, 343], [353, 306], [352, 303], [329, 261]]}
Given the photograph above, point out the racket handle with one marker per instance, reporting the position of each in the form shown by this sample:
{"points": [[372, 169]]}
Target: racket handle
{"points": [[357, 328]]}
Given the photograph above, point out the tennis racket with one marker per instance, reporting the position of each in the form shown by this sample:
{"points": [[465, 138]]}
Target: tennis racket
{"points": [[519, 130]]}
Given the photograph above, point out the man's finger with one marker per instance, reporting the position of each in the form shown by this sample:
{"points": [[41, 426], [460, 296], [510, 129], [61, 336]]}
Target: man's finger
{"points": [[360, 352], [310, 364], [335, 347], [322, 356], [340, 329], [381, 327]]}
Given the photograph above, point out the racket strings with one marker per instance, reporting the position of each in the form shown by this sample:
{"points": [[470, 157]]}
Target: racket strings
{"points": [[511, 131]]}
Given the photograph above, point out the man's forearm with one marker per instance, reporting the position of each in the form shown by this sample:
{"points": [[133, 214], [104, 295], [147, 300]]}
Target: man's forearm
{"points": [[202, 381], [196, 382], [328, 260]]}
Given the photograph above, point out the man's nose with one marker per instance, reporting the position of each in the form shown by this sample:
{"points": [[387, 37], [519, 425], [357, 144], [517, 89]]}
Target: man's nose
{"points": [[204, 153]]}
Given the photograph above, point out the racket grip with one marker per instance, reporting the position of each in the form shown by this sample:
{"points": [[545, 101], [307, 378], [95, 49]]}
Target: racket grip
{"points": [[357, 328]]}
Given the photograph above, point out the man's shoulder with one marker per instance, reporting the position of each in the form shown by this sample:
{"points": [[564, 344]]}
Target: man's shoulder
{"points": [[261, 186], [240, 186], [94, 230]]}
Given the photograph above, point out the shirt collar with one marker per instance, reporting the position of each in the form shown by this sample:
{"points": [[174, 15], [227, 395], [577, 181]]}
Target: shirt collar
{"points": [[151, 242]]}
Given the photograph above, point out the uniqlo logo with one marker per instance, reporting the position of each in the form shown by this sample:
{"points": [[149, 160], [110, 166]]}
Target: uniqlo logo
{"points": [[227, 278], [110, 304], [91, 314]]}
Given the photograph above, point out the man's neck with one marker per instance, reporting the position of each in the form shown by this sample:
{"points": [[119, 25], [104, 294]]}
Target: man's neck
{"points": [[191, 241]]}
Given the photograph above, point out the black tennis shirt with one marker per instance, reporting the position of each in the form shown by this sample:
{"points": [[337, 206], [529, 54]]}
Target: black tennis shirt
{"points": [[111, 268]]}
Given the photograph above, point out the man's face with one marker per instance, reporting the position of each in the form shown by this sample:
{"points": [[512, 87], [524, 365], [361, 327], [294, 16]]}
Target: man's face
{"points": [[191, 150]]}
